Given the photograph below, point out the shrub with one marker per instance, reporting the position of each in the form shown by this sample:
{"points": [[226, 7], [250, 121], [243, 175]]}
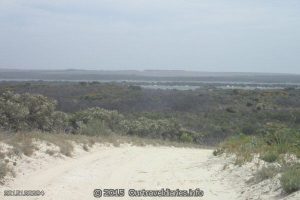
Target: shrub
{"points": [[290, 179], [185, 137], [276, 134], [110, 118], [26, 111], [40, 111], [13, 112], [95, 127], [274, 141], [60, 121], [167, 129], [218, 151], [269, 156], [231, 110], [249, 128]]}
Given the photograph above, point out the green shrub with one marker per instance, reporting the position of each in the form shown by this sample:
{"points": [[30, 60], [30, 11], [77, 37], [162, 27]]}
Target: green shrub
{"points": [[276, 134], [275, 140], [269, 156], [167, 129], [60, 121], [290, 179], [26, 112], [95, 127], [110, 118], [185, 137]]}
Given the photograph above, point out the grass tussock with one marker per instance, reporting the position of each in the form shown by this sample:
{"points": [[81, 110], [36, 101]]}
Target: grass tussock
{"points": [[265, 173], [21, 143], [5, 170], [244, 147]]}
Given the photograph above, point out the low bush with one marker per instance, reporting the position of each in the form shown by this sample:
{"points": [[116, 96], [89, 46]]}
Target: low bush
{"points": [[290, 179], [26, 112], [110, 118], [218, 151], [274, 141], [269, 156], [185, 137], [94, 128]]}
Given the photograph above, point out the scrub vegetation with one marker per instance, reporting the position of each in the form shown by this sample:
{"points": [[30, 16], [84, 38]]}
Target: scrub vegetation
{"points": [[243, 122]]}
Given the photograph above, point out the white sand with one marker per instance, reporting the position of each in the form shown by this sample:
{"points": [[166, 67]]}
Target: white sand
{"points": [[138, 168], [125, 167]]}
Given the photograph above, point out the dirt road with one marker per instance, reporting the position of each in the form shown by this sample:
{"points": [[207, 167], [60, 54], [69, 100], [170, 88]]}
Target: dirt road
{"points": [[128, 167]]}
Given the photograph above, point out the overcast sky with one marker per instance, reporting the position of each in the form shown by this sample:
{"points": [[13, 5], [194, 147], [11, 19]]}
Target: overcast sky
{"points": [[204, 35]]}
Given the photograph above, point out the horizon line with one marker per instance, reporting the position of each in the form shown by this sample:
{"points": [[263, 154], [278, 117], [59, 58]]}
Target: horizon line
{"points": [[146, 70]]}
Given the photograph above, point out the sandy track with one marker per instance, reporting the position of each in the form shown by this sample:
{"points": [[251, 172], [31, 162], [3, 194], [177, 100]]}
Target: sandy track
{"points": [[128, 167]]}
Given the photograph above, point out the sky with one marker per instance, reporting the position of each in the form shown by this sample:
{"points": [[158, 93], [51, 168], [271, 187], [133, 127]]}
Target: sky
{"points": [[201, 35]]}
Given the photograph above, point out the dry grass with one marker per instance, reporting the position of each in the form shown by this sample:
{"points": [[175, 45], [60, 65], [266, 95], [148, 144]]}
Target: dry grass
{"points": [[21, 143], [24, 143], [66, 148], [265, 173]]}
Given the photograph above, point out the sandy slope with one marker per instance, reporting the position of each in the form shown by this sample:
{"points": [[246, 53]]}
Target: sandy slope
{"points": [[128, 167]]}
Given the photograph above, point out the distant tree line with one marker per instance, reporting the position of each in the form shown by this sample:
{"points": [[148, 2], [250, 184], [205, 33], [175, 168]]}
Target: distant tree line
{"points": [[206, 115]]}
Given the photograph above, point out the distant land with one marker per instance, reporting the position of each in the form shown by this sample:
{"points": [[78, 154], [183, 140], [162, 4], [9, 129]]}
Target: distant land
{"points": [[146, 75]]}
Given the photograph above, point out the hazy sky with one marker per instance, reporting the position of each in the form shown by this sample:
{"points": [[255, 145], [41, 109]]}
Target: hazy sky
{"points": [[204, 35]]}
